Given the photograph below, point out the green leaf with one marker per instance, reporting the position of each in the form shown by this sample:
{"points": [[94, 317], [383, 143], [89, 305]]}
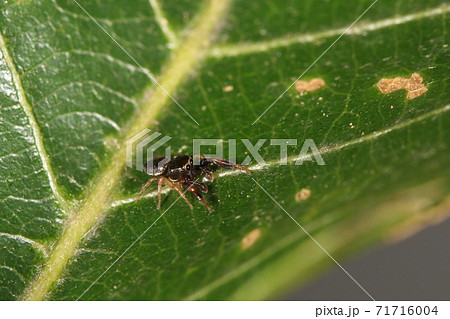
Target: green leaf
{"points": [[70, 97]]}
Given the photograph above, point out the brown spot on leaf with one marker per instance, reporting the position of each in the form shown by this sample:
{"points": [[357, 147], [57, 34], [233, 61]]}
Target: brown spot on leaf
{"points": [[250, 239], [302, 195], [309, 86], [413, 85], [228, 88]]}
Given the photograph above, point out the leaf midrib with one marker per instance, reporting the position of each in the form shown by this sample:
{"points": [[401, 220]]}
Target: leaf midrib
{"points": [[184, 58]]}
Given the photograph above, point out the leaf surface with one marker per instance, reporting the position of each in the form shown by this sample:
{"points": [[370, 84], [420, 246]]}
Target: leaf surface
{"points": [[70, 98]]}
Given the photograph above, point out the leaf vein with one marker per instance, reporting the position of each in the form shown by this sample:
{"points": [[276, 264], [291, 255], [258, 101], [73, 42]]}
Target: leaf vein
{"points": [[33, 124], [230, 50], [164, 24], [292, 159]]}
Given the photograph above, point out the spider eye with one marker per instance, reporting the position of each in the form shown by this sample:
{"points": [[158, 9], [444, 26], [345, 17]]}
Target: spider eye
{"points": [[188, 167]]}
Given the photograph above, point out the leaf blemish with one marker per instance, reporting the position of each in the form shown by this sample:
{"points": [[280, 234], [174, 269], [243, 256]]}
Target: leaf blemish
{"points": [[413, 85], [309, 86], [302, 195], [228, 88], [250, 239]]}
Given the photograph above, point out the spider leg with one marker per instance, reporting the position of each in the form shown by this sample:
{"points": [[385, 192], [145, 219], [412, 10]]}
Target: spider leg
{"points": [[227, 164], [198, 196], [160, 184], [146, 185], [177, 187], [202, 186]]}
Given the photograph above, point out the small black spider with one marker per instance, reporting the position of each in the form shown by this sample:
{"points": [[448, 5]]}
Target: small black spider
{"points": [[180, 172]]}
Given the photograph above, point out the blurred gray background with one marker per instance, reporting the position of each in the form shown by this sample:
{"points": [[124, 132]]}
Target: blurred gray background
{"points": [[417, 268]]}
